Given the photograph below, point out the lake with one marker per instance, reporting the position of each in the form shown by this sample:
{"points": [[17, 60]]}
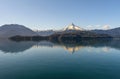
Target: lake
{"points": [[60, 60]]}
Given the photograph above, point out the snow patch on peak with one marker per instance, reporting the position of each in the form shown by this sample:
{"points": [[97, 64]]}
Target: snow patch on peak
{"points": [[73, 27]]}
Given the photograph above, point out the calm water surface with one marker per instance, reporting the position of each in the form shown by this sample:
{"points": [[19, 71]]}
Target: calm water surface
{"points": [[47, 60]]}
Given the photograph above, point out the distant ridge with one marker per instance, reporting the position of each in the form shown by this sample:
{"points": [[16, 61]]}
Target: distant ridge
{"points": [[10, 30], [112, 32]]}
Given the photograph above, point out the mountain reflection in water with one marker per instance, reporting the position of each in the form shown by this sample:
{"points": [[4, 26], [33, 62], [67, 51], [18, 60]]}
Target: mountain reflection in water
{"points": [[10, 46]]}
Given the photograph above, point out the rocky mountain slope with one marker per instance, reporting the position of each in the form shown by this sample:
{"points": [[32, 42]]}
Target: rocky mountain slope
{"points": [[15, 29]]}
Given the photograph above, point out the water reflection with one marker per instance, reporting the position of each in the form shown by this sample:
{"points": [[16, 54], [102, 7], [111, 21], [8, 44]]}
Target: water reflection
{"points": [[9, 46]]}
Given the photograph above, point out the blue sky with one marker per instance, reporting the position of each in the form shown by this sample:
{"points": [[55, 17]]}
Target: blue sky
{"points": [[56, 14]]}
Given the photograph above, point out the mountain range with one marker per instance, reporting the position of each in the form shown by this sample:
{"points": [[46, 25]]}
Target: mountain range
{"points": [[10, 30]]}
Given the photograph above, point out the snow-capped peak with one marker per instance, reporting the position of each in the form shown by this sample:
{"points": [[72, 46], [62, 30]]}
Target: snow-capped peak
{"points": [[73, 27]]}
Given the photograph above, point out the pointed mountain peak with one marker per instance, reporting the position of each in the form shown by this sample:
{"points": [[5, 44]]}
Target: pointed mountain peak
{"points": [[72, 27], [72, 24]]}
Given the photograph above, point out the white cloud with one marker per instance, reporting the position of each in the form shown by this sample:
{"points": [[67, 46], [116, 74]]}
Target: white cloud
{"points": [[92, 27], [106, 27]]}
